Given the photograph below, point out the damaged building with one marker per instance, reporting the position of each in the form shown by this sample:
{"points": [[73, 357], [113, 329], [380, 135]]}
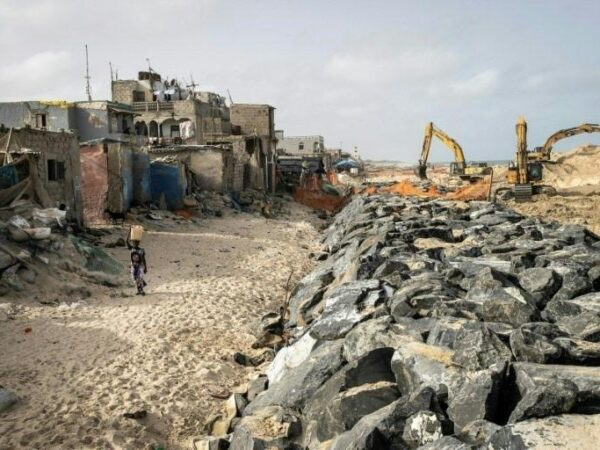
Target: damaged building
{"points": [[40, 168], [168, 113], [87, 119], [115, 176]]}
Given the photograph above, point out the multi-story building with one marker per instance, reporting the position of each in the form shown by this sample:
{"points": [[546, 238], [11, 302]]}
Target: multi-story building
{"points": [[166, 112]]}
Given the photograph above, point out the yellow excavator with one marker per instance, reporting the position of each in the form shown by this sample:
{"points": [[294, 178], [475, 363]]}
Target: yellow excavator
{"points": [[458, 167], [526, 173], [544, 153]]}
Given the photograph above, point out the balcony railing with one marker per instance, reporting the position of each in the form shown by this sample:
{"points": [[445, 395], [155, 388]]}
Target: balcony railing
{"points": [[152, 106]]}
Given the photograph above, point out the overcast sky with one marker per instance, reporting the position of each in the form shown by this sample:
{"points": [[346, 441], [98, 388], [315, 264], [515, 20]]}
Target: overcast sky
{"points": [[364, 73]]}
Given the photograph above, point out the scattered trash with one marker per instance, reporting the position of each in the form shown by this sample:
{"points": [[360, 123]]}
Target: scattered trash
{"points": [[28, 330]]}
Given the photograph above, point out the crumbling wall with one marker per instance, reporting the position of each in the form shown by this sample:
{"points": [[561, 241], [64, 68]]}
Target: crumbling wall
{"points": [[54, 147], [141, 177], [208, 169], [253, 119], [94, 183], [168, 181], [122, 91]]}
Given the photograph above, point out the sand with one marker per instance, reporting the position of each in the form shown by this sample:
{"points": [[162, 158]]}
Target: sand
{"points": [[81, 367]]}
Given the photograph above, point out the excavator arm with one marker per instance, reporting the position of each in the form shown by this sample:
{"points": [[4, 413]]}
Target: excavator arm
{"points": [[430, 131], [562, 134]]}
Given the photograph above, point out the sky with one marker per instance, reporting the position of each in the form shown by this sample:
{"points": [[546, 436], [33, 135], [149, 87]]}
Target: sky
{"points": [[368, 74]]}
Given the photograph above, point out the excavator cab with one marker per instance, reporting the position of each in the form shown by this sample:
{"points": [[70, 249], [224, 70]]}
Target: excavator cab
{"points": [[457, 168]]}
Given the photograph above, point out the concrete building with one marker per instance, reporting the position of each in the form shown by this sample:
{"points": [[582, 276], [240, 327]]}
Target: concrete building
{"points": [[88, 120], [254, 142], [299, 145], [46, 169], [167, 113]]}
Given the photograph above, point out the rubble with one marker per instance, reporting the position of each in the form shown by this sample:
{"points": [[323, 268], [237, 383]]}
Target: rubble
{"points": [[482, 336]]}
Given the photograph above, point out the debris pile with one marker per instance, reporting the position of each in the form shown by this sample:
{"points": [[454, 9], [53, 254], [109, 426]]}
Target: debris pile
{"points": [[436, 325]]}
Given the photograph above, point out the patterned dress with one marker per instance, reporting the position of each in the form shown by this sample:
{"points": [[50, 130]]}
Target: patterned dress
{"points": [[137, 268]]}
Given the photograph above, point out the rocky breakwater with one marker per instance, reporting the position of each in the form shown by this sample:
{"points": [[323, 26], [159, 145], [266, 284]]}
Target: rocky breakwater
{"points": [[436, 325]]}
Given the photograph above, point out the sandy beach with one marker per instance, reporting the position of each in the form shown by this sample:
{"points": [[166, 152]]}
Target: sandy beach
{"points": [[81, 367]]}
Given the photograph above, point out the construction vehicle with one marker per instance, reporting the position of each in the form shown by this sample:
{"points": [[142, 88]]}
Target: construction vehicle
{"points": [[526, 173], [458, 167], [544, 153]]}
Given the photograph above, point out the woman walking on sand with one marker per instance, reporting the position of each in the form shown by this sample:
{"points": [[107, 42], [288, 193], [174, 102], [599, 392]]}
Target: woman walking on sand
{"points": [[138, 265]]}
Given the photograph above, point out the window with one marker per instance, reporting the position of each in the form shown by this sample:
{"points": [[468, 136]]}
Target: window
{"points": [[301, 146], [139, 96], [174, 131], [40, 120], [56, 170]]}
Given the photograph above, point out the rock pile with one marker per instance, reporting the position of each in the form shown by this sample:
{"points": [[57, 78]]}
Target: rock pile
{"points": [[437, 325]]}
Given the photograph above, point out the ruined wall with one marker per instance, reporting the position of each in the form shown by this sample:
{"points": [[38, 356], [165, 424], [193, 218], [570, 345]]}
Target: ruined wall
{"points": [[168, 181], [92, 123], [94, 183], [208, 168], [141, 177], [60, 147], [21, 114], [254, 119], [120, 177]]}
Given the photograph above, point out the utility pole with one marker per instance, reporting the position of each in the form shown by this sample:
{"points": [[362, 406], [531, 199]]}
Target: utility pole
{"points": [[88, 88]]}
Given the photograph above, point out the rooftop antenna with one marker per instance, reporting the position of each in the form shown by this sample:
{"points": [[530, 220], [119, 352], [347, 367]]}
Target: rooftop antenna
{"points": [[149, 66], [230, 99], [111, 71], [88, 88], [192, 85]]}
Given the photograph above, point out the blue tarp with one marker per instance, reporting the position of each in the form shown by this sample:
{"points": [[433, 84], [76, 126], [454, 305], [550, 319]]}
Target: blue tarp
{"points": [[8, 176], [169, 180], [346, 164]]}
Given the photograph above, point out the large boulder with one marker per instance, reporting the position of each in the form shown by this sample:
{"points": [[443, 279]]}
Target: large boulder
{"points": [[533, 342], [299, 384], [346, 306], [377, 333], [547, 389], [476, 396], [385, 426], [7, 399], [568, 431], [477, 347], [417, 365], [541, 283]]}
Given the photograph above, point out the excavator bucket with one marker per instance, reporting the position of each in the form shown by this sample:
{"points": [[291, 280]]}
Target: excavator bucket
{"points": [[421, 171]]}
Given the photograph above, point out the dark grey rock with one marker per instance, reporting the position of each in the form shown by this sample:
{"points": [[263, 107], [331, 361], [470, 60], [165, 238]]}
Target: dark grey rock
{"points": [[295, 389], [376, 333], [257, 386], [578, 351], [307, 295], [586, 380], [6, 260], [445, 331], [573, 285], [384, 427], [476, 396], [594, 277], [477, 347], [541, 283], [533, 342], [344, 308], [417, 365], [542, 398]]}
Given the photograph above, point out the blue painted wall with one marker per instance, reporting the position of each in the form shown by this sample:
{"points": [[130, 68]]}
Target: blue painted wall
{"points": [[141, 178], [168, 180]]}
